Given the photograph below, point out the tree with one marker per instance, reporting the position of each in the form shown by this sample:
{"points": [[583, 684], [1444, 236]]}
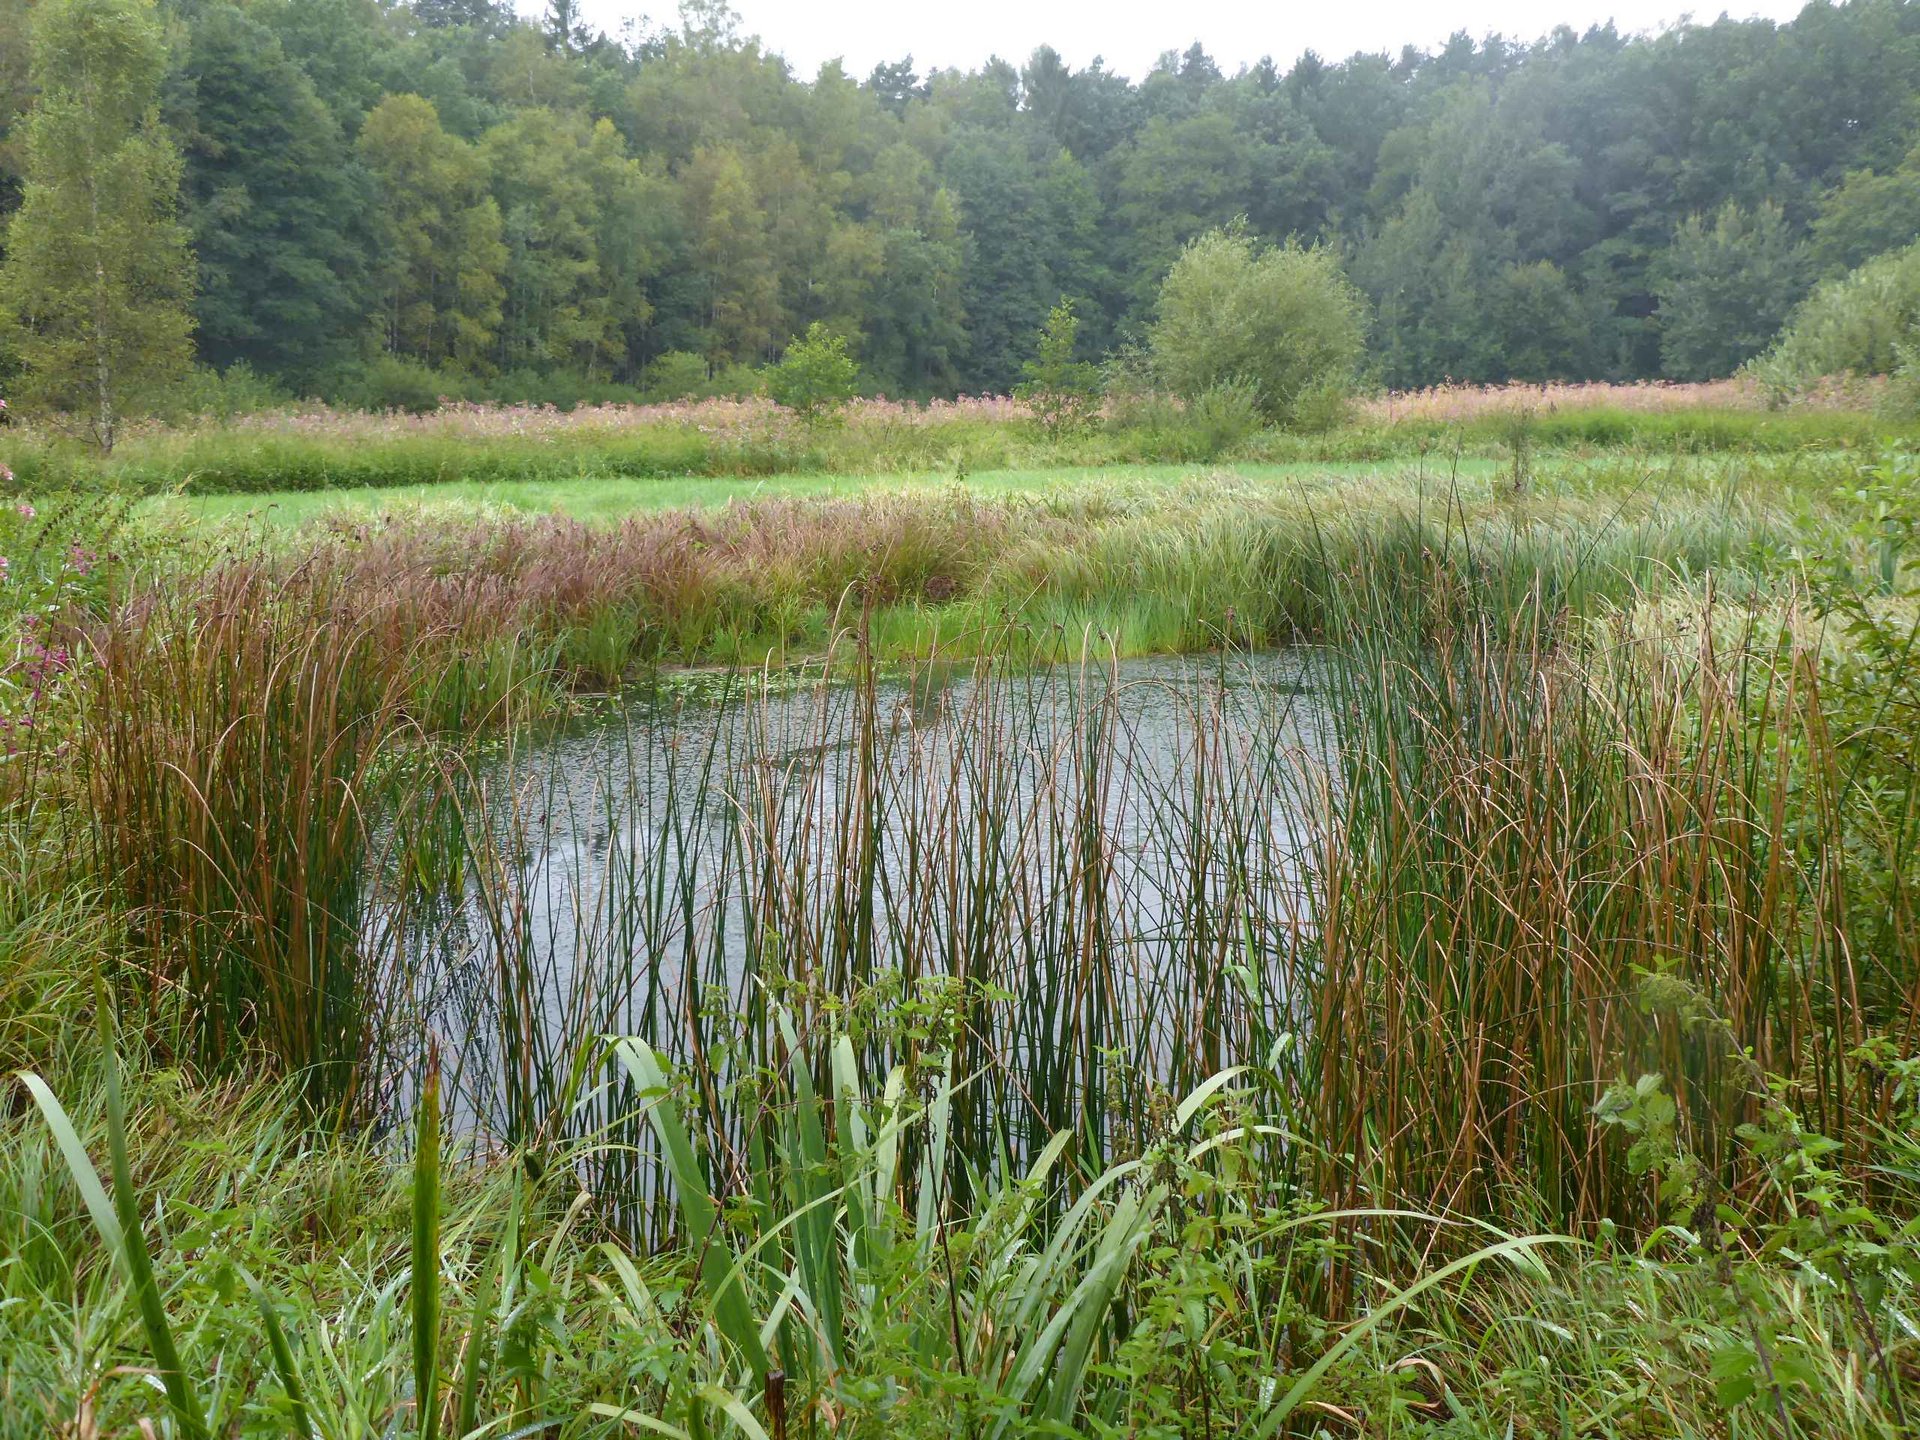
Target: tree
{"points": [[15, 93], [98, 276], [1062, 392], [816, 376], [554, 311], [487, 16], [276, 202], [442, 254], [1866, 215], [565, 28], [1543, 324], [732, 259], [1725, 289], [1862, 323], [1281, 318]]}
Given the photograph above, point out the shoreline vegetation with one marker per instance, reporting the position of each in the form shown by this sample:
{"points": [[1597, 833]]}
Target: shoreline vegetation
{"points": [[319, 449], [1317, 855], [1550, 1068]]}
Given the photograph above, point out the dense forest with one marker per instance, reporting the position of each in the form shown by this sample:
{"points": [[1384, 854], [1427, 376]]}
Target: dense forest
{"points": [[444, 183]]}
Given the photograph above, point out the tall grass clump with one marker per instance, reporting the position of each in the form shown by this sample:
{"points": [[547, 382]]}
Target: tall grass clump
{"points": [[229, 752], [1559, 853]]}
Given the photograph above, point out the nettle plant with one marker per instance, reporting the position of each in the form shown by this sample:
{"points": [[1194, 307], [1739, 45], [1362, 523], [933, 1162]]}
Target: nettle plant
{"points": [[1802, 1218]]}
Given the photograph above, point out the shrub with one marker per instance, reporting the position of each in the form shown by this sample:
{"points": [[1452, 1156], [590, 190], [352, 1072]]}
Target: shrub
{"points": [[1062, 392], [1282, 319], [212, 394], [676, 375], [816, 376], [392, 382], [1223, 415], [562, 389], [1854, 325], [737, 382]]}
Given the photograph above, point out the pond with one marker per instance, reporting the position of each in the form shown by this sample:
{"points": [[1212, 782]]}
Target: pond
{"points": [[1111, 859]]}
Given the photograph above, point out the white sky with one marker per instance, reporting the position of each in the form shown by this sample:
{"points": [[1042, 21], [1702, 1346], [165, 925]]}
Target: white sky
{"points": [[1131, 35]]}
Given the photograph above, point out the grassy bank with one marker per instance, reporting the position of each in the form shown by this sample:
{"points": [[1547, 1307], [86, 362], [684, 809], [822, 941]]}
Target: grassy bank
{"points": [[322, 450], [1535, 1058], [1150, 562]]}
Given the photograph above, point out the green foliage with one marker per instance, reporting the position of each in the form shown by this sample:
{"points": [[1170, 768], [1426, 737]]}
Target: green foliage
{"points": [[1811, 1211], [1282, 320], [1865, 215], [206, 394], [1062, 392], [1476, 262], [582, 229], [440, 247], [393, 382], [1724, 290], [97, 275], [1859, 324], [676, 375], [576, 205], [816, 376], [276, 202]]}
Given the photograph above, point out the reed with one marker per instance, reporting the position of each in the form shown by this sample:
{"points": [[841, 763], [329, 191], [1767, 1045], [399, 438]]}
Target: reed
{"points": [[270, 754], [1010, 1041], [1546, 855], [229, 747]]}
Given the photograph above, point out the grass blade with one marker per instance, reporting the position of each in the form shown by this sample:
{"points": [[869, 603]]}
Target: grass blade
{"points": [[725, 1290], [282, 1353], [425, 1274], [1518, 1245], [119, 1225]]}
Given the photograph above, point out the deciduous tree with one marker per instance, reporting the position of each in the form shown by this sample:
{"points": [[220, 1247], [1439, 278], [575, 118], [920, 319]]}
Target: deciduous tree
{"points": [[98, 276]]}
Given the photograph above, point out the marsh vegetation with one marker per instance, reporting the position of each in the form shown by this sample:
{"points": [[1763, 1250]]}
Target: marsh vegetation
{"points": [[568, 868], [792, 966]]}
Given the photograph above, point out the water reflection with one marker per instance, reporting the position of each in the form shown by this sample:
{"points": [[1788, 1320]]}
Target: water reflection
{"points": [[1114, 851]]}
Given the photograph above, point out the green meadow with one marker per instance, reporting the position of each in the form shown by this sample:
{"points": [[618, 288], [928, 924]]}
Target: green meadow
{"points": [[593, 498]]}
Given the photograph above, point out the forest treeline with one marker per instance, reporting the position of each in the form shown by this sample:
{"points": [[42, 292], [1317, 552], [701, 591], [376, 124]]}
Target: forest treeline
{"points": [[441, 183]]}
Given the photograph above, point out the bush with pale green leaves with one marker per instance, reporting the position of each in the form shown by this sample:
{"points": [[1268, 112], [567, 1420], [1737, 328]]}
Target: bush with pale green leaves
{"points": [[1282, 319], [1860, 324], [816, 376]]}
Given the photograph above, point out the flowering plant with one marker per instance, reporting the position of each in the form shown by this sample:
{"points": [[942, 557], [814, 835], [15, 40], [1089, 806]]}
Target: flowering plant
{"points": [[50, 568]]}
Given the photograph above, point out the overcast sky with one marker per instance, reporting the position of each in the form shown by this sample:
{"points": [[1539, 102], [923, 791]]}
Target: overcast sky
{"points": [[1131, 35]]}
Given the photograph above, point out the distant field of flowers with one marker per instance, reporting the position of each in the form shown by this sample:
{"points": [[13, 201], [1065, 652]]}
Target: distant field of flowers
{"points": [[311, 446], [736, 418], [760, 417], [1446, 403]]}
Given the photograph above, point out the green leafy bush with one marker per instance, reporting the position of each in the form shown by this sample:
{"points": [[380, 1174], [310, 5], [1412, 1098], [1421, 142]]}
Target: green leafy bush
{"points": [[816, 376], [1223, 415], [1282, 319], [392, 382], [1062, 392], [1859, 324], [212, 394], [676, 375]]}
